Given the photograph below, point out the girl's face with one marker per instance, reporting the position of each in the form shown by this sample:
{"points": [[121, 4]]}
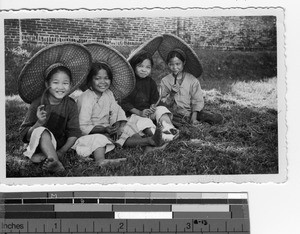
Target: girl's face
{"points": [[176, 65], [143, 69], [100, 82], [59, 85]]}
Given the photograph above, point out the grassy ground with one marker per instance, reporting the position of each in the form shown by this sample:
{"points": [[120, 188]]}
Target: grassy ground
{"points": [[245, 144]]}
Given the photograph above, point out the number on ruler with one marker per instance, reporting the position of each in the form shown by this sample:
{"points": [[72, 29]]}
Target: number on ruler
{"points": [[201, 221], [188, 226], [121, 226]]}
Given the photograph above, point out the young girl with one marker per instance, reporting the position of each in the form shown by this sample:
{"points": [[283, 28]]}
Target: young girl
{"points": [[51, 124], [102, 119], [144, 98], [181, 91]]}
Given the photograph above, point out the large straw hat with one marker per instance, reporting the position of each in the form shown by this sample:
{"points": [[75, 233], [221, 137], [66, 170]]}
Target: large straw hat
{"points": [[171, 42], [31, 81], [123, 76], [149, 46]]}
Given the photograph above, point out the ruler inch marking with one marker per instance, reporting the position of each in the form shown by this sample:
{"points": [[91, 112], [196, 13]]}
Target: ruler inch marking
{"points": [[211, 207]]}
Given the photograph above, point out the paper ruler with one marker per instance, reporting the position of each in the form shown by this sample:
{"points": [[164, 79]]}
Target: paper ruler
{"points": [[103, 212]]}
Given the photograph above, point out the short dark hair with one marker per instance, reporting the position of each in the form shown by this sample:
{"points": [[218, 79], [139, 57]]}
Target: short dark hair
{"points": [[59, 69], [95, 68], [173, 54], [140, 57]]}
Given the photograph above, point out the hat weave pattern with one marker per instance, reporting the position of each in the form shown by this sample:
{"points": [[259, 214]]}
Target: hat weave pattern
{"points": [[123, 81], [31, 81], [171, 42], [149, 46]]}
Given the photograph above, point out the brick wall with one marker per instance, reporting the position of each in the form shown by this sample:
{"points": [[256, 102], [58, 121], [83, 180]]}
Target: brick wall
{"points": [[224, 33]]}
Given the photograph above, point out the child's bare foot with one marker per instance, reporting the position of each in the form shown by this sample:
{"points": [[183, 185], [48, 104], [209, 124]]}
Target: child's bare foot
{"points": [[151, 148], [53, 166], [38, 158], [170, 135], [102, 163], [157, 137]]}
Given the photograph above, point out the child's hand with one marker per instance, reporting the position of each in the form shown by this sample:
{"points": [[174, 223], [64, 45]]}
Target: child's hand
{"points": [[41, 114], [119, 128], [112, 129], [146, 113], [175, 88], [153, 108], [99, 129]]}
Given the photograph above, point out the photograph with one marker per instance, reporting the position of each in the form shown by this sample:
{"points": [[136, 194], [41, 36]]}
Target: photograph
{"points": [[146, 95]]}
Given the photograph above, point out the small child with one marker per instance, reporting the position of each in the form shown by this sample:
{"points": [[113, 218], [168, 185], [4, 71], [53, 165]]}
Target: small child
{"points": [[51, 124], [143, 100], [181, 91], [102, 121]]}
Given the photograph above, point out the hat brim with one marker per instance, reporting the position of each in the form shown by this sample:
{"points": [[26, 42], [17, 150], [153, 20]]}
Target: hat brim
{"points": [[31, 81], [171, 42], [149, 46], [123, 81]]}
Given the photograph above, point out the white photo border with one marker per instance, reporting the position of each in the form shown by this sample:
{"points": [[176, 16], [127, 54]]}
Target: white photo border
{"points": [[155, 12]]}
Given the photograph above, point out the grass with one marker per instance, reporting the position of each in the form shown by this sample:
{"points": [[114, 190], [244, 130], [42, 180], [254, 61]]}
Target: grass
{"points": [[247, 143]]}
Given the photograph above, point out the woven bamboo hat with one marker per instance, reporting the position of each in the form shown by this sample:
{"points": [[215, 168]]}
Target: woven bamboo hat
{"points": [[31, 81], [123, 81], [149, 46], [171, 42]]}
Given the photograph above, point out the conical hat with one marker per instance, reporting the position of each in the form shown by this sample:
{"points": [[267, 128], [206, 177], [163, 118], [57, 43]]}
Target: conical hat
{"points": [[123, 76], [31, 81], [171, 42], [149, 46]]}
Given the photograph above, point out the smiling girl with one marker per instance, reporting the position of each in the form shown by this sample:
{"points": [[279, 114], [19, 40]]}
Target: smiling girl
{"points": [[51, 124], [102, 121]]}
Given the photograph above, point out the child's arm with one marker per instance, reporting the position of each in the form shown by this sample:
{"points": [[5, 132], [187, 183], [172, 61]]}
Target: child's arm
{"points": [[197, 100], [41, 120], [154, 95], [127, 106], [69, 143], [30, 122], [167, 94]]}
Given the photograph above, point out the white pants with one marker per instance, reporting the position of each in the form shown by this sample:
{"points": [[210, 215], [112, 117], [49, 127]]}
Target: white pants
{"points": [[35, 141]]}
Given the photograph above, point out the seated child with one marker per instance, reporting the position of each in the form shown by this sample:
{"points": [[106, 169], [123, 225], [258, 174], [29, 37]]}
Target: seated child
{"points": [[102, 121], [143, 100], [51, 124], [181, 91]]}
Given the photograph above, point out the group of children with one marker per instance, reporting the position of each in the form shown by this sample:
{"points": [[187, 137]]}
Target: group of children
{"points": [[121, 104]]}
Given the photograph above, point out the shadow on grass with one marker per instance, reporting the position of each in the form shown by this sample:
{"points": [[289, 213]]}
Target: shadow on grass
{"points": [[246, 143]]}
